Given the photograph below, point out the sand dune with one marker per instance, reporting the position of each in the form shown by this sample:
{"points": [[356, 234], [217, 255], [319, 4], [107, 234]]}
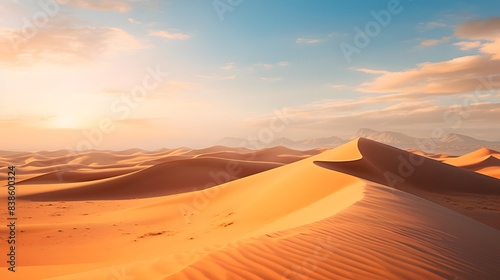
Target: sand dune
{"points": [[438, 157], [484, 161], [217, 149], [387, 235], [470, 193], [246, 207], [390, 166], [473, 158], [378, 238], [480, 163], [277, 221], [72, 176], [276, 154], [161, 179]]}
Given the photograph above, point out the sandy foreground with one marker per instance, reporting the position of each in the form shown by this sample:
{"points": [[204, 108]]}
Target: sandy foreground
{"points": [[363, 210]]}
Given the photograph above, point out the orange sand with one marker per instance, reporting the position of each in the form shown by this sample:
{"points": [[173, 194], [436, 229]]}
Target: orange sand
{"points": [[274, 214]]}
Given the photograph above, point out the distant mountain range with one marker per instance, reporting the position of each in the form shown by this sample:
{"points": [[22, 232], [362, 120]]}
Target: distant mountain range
{"points": [[451, 143]]}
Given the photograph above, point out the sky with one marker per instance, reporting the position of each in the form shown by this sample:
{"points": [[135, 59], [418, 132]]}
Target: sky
{"points": [[119, 74]]}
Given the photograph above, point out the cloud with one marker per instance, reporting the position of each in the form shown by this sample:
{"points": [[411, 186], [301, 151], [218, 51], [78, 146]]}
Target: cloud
{"points": [[271, 79], [485, 29], [492, 49], [9, 7], [457, 75], [339, 107], [307, 41], [140, 122], [336, 86], [404, 103], [63, 44], [171, 87], [271, 66], [371, 71], [426, 26], [321, 117], [454, 76], [109, 5], [433, 42], [228, 66], [134, 21], [169, 35], [468, 45], [213, 78], [165, 89]]}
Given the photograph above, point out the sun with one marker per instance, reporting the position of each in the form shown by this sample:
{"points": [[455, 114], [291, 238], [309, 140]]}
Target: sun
{"points": [[67, 121]]}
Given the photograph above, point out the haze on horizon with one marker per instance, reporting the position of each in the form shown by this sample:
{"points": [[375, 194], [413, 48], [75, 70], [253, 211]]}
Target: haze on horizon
{"points": [[152, 74]]}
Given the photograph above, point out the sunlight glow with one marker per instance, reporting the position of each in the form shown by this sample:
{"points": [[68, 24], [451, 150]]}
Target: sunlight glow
{"points": [[67, 121]]}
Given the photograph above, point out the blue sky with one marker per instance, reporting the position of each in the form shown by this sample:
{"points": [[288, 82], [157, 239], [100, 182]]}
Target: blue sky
{"points": [[69, 67]]}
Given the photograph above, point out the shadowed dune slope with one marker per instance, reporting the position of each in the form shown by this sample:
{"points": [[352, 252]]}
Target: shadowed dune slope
{"points": [[73, 176], [393, 167]]}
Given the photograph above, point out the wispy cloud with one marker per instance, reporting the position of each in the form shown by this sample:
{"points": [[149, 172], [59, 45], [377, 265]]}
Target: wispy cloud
{"points": [[109, 5], [426, 26], [213, 78], [271, 79], [348, 116], [80, 44], [138, 22], [172, 86], [271, 65], [229, 66], [457, 75], [371, 71], [468, 45], [169, 35], [337, 86], [141, 122], [165, 89], [454, 76], [433, 42], [134, 21], [307, 41]]}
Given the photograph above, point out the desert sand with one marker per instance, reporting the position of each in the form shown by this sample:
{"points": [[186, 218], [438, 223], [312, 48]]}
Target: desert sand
{"points": [[363, 210]]}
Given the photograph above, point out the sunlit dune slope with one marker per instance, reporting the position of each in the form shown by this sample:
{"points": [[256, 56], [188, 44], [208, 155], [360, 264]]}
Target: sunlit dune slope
{"points": [[484, 161], [387, 235]]}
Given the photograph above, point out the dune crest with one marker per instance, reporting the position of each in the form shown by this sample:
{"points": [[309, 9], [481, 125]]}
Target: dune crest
{"points": [[484, 161], [400, 169]]}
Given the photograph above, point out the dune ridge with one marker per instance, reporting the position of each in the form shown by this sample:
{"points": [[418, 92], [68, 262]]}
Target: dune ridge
{"points": [[390, 166]]}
